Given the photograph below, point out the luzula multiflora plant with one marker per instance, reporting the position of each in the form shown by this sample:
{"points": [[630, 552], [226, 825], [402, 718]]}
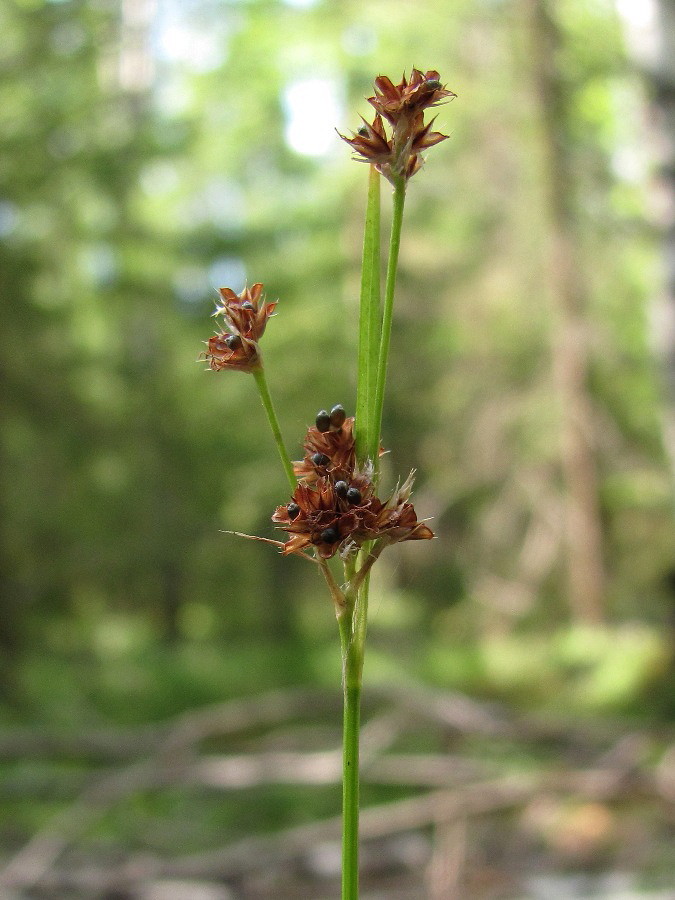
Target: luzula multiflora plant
{"points": [[334, 509]]}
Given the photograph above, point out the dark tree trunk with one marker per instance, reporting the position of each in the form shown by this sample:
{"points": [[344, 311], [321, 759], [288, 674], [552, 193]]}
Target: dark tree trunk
{"points": [[568, 296], [663, 77]]}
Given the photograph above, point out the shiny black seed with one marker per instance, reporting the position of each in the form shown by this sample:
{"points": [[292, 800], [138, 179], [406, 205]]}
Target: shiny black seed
{"points": [[337, 416], [342, 489], [330, 535], [293, 510], [320, 459], [363, 131], [247, 305], [354, 495], [233, 341], [322, 421], [433, 84]]}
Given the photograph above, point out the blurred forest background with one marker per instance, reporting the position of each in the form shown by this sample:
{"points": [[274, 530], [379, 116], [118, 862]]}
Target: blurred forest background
{"points": [[154, 150]]}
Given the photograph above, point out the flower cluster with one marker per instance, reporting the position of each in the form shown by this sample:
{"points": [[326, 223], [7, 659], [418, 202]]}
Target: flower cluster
{"points": [[329, 448], [397, 154], [245, 316], [334, 507]]}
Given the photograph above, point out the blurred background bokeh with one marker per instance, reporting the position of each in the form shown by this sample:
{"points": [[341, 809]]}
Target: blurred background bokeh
{"points": [[155, 150]]}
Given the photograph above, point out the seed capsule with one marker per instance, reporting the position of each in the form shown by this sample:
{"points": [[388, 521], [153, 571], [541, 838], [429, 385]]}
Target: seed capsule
{"points": [[337, 416], [330, 535], [342, 489], [233, 341], [320, 459], [293, 510], [322, 421], [353, 495]]}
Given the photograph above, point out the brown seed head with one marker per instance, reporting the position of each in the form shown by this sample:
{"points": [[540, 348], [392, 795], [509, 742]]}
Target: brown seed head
{"points": [[409, 97], [335, 445], [396, 155], [397, 519], [330, 519], [370, 143], [245, 317], [317, 523]]}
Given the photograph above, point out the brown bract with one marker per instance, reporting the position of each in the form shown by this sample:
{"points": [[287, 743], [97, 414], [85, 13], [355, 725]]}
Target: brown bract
{"points": [[397, 155], [337, 445], [370, 142], [409, 97], [397, 519], [324, 520], [319, 517], [245, 316]]}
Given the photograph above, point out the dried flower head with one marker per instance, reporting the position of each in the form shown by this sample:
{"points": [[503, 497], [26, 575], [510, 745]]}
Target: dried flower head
{"points": [[333, 516], [327, 452], [397, 519], [409, 97], [370, 143], [316, 516], [329, 448], [334, 507], [245, 316], [397, 155]]}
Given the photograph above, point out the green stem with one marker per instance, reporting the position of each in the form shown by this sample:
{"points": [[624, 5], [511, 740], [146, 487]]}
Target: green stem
{"points": [[353, 634], [350, 792], [387, 315], [369, 320], [265, 396]]}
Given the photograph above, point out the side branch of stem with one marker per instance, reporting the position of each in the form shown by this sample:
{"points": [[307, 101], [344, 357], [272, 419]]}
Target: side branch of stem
{"points": [[266, 397]]}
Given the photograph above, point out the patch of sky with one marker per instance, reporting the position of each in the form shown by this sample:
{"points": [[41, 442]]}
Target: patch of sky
{"points": [[219, 203], [192, 286], [359, 40], [312, 106], [99, 263], [8, 218], [228, 271], [640, 18], [185, 34], [173, 95], [159, 177]]}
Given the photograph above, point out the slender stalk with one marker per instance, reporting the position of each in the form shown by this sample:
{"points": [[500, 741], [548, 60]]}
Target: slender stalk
{"points": [[352, 634], [360, 623], [339, 599], [387, 315], [265, 396], [370, 401], [373, 355], [350, 781], [353, 624], [369, 320], [345, 616]]}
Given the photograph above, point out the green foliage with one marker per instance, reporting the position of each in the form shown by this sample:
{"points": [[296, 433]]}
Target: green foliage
{"points": [[575, 671], [124, 203]]}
